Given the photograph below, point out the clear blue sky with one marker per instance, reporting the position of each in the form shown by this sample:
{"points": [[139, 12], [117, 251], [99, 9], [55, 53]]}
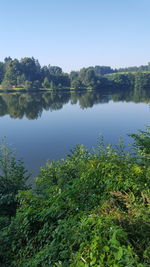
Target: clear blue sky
{"points": [[76, 33]]}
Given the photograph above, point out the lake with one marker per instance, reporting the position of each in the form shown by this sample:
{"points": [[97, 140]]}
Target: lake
{"points": [[46, 125]]}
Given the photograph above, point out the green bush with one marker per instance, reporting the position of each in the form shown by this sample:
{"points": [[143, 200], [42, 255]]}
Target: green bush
{"points": [[90, 209], [13, 178]]}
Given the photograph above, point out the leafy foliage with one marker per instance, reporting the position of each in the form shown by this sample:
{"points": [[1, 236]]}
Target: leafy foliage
{"points": [[90, 209], [27, 74], [13, 178]]}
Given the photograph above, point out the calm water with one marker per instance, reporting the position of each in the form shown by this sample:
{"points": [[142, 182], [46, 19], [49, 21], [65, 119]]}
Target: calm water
{"points": [[47, 125]]}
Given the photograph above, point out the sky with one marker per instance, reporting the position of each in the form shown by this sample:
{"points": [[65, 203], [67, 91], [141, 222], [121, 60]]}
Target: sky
{"points": [[76, 33]]}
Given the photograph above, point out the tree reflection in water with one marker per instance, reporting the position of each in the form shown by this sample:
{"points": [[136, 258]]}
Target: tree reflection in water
{"points": [[31, 105]]}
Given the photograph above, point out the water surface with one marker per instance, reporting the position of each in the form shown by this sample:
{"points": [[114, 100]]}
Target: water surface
{"points": [[47, 125]]}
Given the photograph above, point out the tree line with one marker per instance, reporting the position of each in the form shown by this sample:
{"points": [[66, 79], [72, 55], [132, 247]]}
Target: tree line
{"points": [[28, 74]]}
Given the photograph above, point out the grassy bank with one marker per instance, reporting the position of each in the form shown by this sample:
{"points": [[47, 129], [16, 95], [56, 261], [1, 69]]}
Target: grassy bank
{"points": [[64, 89]]}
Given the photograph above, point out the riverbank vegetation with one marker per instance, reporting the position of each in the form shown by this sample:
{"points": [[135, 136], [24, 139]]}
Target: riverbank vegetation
{"points": [[89, 209], [28, 75]]}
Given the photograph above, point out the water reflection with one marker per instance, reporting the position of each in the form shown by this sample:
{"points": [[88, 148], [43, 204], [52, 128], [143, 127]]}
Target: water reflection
{"points": [[31, 105]]}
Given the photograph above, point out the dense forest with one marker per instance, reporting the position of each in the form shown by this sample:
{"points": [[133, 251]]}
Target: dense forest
{"points": [[90, 209], [27, 74]]}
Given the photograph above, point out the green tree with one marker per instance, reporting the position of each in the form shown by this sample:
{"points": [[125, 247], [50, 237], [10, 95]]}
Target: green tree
{"points": [[54, 70], [28, 85], [13, 178], [31, 69], [2, 71], [12, 71], [76, 84], [46, 83]]}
